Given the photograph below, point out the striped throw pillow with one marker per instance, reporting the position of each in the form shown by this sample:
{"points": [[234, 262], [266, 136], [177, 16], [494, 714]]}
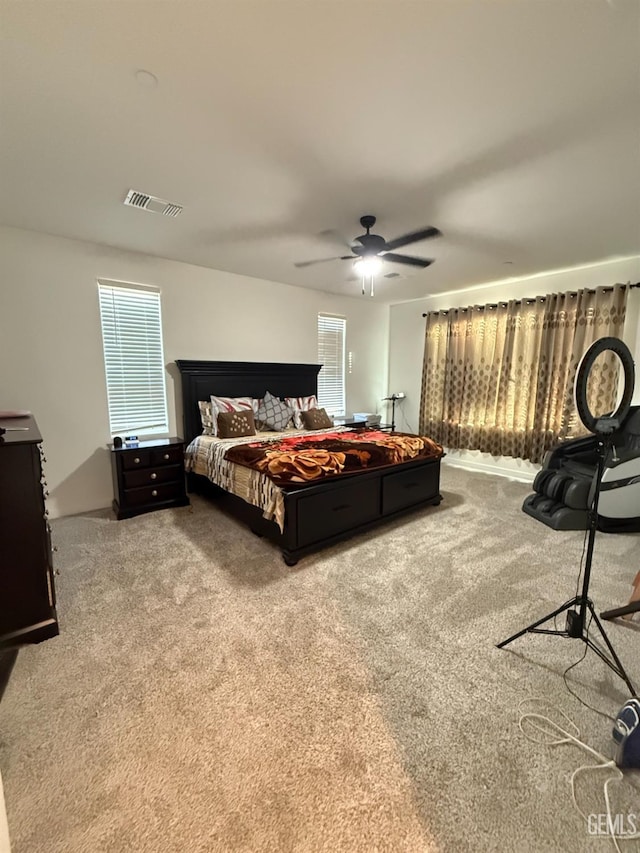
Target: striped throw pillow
{"points": [[301, 404]]}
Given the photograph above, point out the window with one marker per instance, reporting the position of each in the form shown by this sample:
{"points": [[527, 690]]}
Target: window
{"points": [[133, 359], [331, 351]]}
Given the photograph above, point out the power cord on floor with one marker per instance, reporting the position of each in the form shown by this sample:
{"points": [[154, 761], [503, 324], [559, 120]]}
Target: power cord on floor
{"points": [[572, 692], [550, 729]]}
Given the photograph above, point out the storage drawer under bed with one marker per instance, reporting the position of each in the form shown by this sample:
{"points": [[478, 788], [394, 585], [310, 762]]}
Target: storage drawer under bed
{"points": [[410, 487], [321, 516]]}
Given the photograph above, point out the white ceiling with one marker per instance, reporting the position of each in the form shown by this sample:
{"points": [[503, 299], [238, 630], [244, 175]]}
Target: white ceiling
{"points": [[511, 125]]}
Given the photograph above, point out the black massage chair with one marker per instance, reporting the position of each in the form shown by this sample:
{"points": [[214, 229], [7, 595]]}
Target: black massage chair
{"points": [[564, 488]]}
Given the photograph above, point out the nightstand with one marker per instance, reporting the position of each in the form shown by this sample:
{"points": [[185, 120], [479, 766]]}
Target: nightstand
{"points": [[350, 422], [148, 476]]}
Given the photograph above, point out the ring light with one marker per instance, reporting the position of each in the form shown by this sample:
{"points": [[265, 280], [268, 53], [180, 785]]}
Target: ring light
{"points": [[580, 608], [604, 425]]}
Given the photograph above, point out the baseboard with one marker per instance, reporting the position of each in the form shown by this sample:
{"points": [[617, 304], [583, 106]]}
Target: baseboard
{"points": [[510, 473], [5, 847]]}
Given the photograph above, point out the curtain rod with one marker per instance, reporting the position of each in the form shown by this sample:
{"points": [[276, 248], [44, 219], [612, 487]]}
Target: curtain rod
{"points": [[520, 301]]}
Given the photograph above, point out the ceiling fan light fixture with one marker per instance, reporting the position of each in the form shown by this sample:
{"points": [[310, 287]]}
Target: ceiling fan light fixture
{"points": [[368, 266], [372, 249]]}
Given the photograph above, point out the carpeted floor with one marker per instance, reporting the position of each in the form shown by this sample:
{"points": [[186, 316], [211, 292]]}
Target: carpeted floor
{"points": [[204, 697]]}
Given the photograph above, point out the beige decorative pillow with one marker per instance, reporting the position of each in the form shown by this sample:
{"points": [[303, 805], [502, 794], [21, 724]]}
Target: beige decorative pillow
{"points": [[236, 424], [316, 419], [228, 404]]}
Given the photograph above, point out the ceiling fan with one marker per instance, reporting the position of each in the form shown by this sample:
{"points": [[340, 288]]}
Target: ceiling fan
{"points": [[369, 246]]}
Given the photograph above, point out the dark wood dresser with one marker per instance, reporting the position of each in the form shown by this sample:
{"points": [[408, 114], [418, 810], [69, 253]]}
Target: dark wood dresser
{"points": [[148, 476], [27, 594]]}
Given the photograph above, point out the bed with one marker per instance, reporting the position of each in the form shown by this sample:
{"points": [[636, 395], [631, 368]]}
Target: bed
{"points": [[317, 515]]}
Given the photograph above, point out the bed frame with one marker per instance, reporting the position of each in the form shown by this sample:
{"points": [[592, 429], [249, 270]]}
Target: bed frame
{"points": [[317, 515]]}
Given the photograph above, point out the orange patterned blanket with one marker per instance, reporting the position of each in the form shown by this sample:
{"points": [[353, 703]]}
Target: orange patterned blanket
{"points": [[301, 459]]}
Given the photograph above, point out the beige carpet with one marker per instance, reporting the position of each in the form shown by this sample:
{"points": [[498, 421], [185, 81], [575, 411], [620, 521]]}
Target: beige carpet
{"points": [[204, 697]]}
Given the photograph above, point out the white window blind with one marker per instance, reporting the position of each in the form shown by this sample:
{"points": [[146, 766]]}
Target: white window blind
{"points": [[133, 359], [331, 355]]}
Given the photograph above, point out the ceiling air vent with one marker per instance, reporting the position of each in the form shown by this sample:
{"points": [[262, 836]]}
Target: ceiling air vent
{"points": [[152, 204]]}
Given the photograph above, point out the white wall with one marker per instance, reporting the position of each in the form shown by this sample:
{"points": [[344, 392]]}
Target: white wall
{"points": [[406, 338], [51, 344]]}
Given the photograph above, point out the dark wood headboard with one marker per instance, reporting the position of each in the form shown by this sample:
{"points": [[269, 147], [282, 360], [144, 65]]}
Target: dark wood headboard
{"points": [[201, 379]]}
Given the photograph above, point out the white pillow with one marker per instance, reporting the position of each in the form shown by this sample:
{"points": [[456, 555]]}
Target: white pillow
{"points": [[301, 404], [228, 404]]}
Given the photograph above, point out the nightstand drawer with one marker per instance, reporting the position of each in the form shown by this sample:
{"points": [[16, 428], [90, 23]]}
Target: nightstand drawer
{"points": [[135, 458], [153, 494], [167, 456], [149, 476]]}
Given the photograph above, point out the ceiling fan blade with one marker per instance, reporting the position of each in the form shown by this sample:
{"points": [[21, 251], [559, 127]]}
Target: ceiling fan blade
{"points": [[423, 234], [334, 236], [323, 260], [405, 259]]}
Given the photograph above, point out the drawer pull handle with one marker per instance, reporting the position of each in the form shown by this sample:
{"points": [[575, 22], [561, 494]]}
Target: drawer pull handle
{"points": [[411, 485], [340, 507], [137, 460], [166, 456], [153, 476], [154, 493]]}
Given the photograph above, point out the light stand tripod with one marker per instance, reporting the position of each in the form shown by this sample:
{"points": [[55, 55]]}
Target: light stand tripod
{"points": [[577, 626], [393, 399]]}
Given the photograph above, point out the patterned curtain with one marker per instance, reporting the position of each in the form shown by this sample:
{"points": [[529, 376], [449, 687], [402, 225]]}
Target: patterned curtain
{"points": [[499, 378]]}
